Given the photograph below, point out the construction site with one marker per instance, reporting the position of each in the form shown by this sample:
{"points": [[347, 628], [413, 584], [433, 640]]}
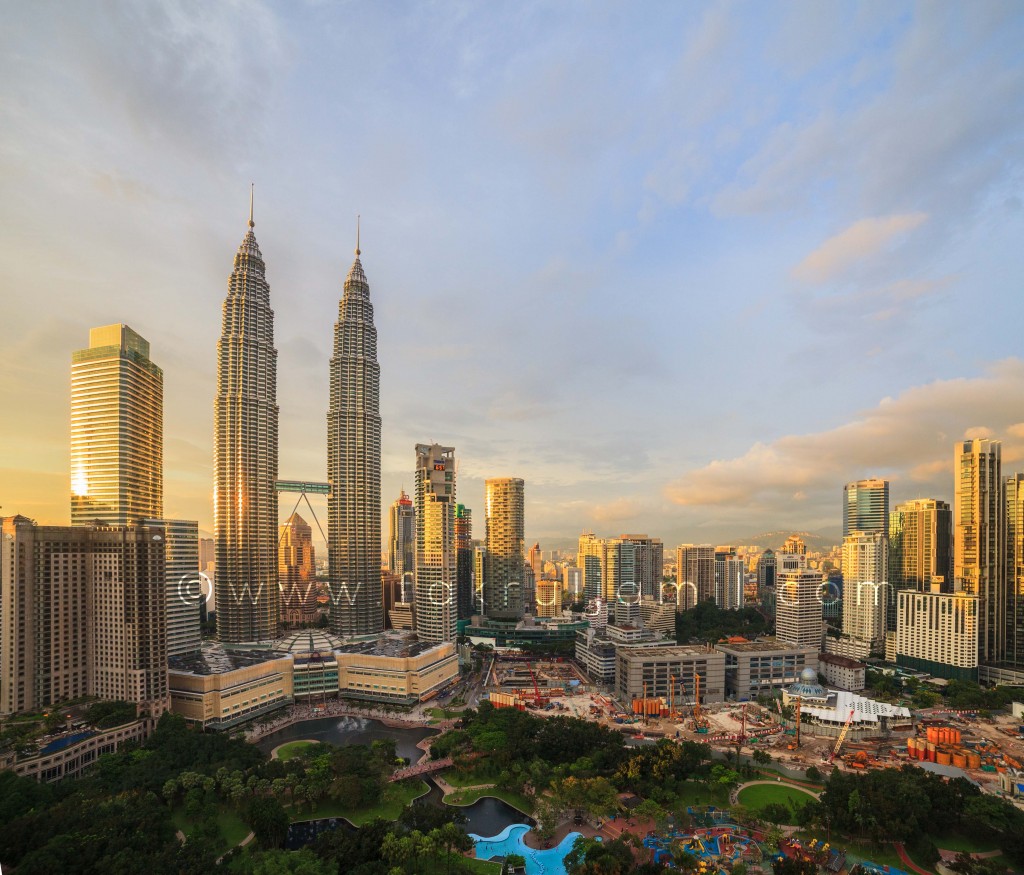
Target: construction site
{"points": [[986, 750]]}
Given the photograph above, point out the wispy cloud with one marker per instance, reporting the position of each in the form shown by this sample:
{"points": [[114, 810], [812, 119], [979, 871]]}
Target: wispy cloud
{"points": [[862, 240]]}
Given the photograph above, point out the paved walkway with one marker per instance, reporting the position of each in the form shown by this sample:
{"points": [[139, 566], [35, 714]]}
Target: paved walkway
{"points": [[901, 852]]}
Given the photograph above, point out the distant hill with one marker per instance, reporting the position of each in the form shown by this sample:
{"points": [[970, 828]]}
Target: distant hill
{"points": [[816, 541]]}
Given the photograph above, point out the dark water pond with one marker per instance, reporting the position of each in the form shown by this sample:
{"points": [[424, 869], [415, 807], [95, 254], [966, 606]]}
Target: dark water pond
{"points": [[485, 817], [348, 730]]}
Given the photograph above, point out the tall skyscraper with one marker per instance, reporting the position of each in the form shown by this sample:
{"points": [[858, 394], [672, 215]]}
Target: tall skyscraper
{"points": [[184, 589], [729, 579], [464, 562], [353, 465], [505, 556], [435, 602], [245, 454], [695, 574], [588, 560], [117, 438], [1015, 571], [979, 546], [649, 563], [920, 550], [865, 591], [798, 608], [296, 572], [866, 506], [402, 537]]}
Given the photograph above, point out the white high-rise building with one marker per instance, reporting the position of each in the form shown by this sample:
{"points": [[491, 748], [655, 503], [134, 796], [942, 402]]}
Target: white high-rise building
{"points": [[865, 588], [938, 633], [185, 588]]}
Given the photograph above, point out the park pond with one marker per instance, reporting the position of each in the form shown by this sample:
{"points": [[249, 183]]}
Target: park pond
{"points": [[487, 816]]}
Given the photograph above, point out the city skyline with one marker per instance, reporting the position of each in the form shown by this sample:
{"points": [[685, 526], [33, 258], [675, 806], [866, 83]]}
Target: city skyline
{"points": [[534, 218]]}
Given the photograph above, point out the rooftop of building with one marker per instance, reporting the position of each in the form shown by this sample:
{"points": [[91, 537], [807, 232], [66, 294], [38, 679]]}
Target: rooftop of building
{"points": [[394, 645], [214, 658], [841, 661], [762, 645], [671, 651], [307, 641]]}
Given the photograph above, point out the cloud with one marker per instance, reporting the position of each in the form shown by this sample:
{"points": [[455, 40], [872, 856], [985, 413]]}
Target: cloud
{"points": [[620, 510], [860, 241], [907, 439]]}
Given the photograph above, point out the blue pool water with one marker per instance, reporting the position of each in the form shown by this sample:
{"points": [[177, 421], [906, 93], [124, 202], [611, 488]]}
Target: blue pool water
{"points": [[510, 841]]}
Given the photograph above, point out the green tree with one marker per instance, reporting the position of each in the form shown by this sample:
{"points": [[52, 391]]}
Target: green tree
{"points": [[269, 822]]}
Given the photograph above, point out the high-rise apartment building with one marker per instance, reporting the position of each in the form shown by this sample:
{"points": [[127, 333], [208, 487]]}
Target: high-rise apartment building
{"points": [[865, 591], [117, 440], [83, 611], [353, 465], [464, 562], [245, 455], [296, 571], [729, 578], [402, 536], [505, 557], [695, 574], [979, 546], [649, 563], [185, 590], [798, 608], [920, 550], [938, 633], [1014, 653], [435, 601], [794, 545], [866, 506], [588, 560]]}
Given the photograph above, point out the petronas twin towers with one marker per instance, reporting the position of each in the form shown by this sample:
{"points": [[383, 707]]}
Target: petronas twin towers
{"points": [[246, 452]]}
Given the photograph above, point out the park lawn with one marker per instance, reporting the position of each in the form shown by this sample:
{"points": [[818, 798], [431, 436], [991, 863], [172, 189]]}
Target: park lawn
{"points": [[231, 827], [484, 867], [858, 852], [960, 842], [466, 779], [391, 805], [696, 793], [757, 797], [468, 797], [293, 748]]}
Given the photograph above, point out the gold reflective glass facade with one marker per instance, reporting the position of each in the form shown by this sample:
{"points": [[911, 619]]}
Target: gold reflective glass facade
{"points": [[117, 438]]}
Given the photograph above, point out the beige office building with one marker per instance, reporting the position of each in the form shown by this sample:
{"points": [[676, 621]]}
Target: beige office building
{"points": [[651, 670], [83, 611], [549, 597], [798, 608], [296, 572], [117, 442]]}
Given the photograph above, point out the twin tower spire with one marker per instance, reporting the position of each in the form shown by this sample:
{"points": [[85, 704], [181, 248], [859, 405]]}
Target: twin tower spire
{"points": [[246, 458]]}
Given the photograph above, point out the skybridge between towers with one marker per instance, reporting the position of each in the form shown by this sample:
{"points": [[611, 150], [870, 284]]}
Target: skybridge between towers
{"points": [[303, 488]]}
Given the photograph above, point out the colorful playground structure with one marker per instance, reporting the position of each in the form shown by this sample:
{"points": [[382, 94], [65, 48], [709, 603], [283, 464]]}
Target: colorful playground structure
{"points": [[716, 848]]}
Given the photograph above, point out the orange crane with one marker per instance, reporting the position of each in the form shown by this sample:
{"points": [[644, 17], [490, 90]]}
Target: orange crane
{"points": [[672, 697], [537, 698], [700, 722], [842, 736]]}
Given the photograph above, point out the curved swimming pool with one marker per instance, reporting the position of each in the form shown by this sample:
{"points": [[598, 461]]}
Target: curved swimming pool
{"points": [[510, 841]]}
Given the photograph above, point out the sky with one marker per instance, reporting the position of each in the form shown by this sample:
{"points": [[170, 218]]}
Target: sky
{"points": [[685, 268]]}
